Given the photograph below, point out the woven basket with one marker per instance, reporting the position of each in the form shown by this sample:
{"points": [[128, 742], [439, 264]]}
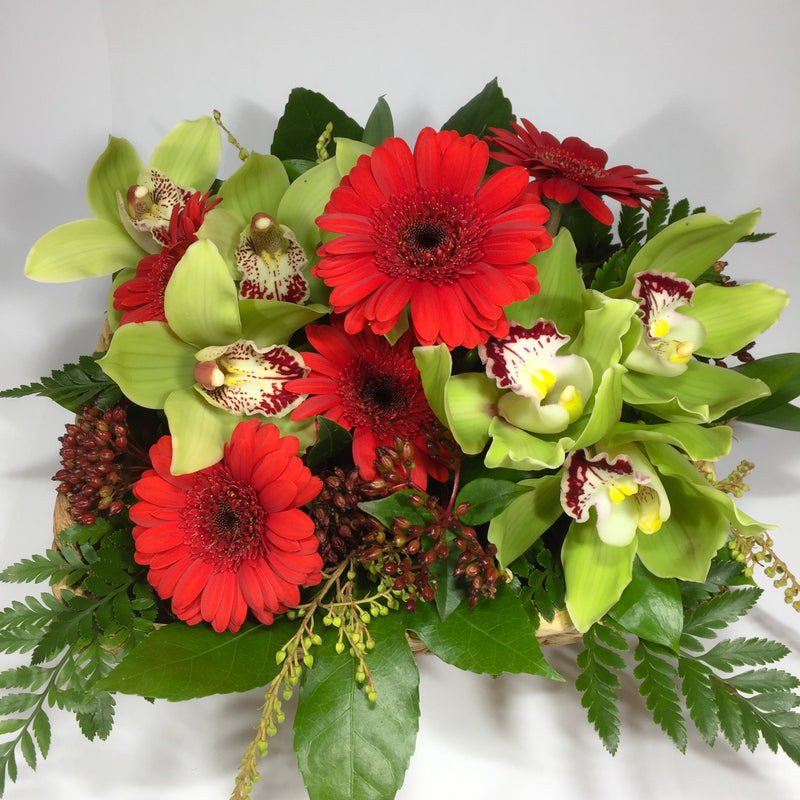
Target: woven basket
{"points": [[560, 631]]}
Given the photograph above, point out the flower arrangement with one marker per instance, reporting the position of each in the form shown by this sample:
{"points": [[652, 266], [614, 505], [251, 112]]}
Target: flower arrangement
{"points": [[363, 397]]}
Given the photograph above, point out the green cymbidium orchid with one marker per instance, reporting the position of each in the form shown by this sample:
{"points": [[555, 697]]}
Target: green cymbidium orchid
{"points": [[649, 501], [215, 361], [677, 320], [186, 158]]}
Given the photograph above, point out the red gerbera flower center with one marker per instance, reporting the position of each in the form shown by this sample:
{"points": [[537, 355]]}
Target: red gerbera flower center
{"points": [[427, 236], [223, 518], [570, 166], [383, 397]]}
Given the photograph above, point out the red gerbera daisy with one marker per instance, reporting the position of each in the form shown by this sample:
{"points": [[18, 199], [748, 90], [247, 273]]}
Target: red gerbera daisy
{"points": [[230, 537], [142, 297], [362, 382], [572, 170], [420, 228]]}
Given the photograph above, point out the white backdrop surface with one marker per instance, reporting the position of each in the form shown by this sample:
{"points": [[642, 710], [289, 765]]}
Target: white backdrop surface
{"points": [[704, 95]]}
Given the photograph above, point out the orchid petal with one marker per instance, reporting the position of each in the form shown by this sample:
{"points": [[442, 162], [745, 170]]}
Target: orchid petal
{"points": [[189, 154], [470, 404], [199, 430], [595, 573], [256, 187], [274, 321], [86, 248], [561, 289], [148, 362], [200, 301], [435, 364], [733, 316], [516, 449], [116, 170]]}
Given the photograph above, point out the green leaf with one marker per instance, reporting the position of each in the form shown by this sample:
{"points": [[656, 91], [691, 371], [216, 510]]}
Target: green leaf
{"points": [[598, 687], [96, 715], [781, 373], [332, 440], [487, 498], [116, 170], [451, 591], [86, 248], [49, 567], [494, 637], [41, 731], [304, 119], [718, 612], [730, 653], [785, 417], [700, 694], [380, 125], [178, 662], [763, 680], [398, 504], [347, 747], [488, 109], [28, 749], [657, 686], [651, 608]]}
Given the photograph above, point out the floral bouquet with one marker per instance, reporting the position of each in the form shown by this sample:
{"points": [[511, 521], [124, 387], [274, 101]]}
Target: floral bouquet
{"points": [[363, 398]]}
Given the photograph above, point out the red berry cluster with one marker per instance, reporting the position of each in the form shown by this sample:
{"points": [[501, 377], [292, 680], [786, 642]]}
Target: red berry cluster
{"points": [[406, 552], [92, 476]]}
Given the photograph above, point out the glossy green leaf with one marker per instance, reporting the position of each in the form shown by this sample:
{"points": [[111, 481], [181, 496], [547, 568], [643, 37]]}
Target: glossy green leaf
{"points": [[199, 430], [148, 362], [86, 248], [785, 417], [435, 365], [179, 662], [267, 322], [349, 748], [561, 289], [733, 316], [651, 608], [518, 449], [519, 525], [189, 154], [781, 373], [490, 108], [305, 200], [487, 498], [332, 440], [703, 393], [201, 301], [596, 573], [303, 121], [380, 125], [256, 187], [688, 247], [699, 443], [494, 637], [116, 170], [397, 504], [470, 404]]}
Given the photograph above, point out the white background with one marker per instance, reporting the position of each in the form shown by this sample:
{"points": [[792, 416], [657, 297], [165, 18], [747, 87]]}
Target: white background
{"points": [[704, 95]]}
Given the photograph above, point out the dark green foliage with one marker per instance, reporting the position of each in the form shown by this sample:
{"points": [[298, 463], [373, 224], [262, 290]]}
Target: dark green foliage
{"points": [[304, 120], [488, 109], [749, 705], [546, 587], [73, 386], [73, 643], [598, 684]]}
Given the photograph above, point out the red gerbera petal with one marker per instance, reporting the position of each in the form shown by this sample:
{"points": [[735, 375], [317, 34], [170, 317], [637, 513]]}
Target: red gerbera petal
{"points": [[414, 225], [236, 517], [379, 392], [571, 169]]}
